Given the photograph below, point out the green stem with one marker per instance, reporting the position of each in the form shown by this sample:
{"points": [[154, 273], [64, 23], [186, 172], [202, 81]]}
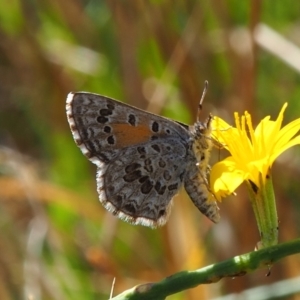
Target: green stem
{"points": [[264, 205], [236, 266]]}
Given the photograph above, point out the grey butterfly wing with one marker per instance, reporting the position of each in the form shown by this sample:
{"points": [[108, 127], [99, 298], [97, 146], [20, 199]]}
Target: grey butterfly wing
{"points": [[139, 184], [101, 125], [141, 157]]}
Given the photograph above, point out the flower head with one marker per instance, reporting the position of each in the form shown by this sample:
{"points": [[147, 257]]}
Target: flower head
{"points": [[253, 151]]}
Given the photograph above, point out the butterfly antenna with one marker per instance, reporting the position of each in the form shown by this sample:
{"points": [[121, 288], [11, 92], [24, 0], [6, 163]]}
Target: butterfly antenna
{"points": [[202, 99]]}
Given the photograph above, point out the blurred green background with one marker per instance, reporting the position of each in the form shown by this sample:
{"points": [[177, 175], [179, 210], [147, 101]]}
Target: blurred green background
{"points": [[56, 240]]}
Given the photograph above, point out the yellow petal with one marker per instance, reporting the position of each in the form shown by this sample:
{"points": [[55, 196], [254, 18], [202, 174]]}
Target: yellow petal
{"points": [[286, 134], [225, 178], [221, 131], [291, 143], [253, 151]]}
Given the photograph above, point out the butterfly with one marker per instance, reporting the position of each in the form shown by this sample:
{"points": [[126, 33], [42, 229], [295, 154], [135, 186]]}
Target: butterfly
{"points": [[142, 159]]}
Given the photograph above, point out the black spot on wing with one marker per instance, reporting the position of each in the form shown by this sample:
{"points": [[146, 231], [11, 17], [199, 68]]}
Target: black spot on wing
{"points": [[107, 129], [105, 112], [111, 140], [156, 148], [129, 208], [110, 106], [146, 186], [102, 119], [167, 176], [130, 177], [132, 167], [173, 186], [160, 189], [155, 126], [132, 120]]}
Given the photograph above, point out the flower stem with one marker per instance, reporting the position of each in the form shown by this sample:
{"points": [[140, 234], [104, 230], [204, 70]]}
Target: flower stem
{"points": [[264, 205], [231, 268]]}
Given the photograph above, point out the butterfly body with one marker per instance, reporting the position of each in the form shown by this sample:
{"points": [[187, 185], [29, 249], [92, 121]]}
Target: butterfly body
{"points": [[142, 159]]}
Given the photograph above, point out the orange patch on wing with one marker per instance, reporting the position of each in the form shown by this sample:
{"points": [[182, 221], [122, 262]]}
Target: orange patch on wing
{"points": [[127, 135]]}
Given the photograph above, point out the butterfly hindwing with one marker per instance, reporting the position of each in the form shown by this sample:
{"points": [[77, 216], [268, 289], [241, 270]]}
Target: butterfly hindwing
{"points": [[139, 184]]}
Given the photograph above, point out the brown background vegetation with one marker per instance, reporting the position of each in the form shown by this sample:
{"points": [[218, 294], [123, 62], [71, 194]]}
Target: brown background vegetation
{"points": [[56, 240]]}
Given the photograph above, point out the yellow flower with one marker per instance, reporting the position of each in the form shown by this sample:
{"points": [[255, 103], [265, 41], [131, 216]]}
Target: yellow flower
{"points": [[253, 151]]}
